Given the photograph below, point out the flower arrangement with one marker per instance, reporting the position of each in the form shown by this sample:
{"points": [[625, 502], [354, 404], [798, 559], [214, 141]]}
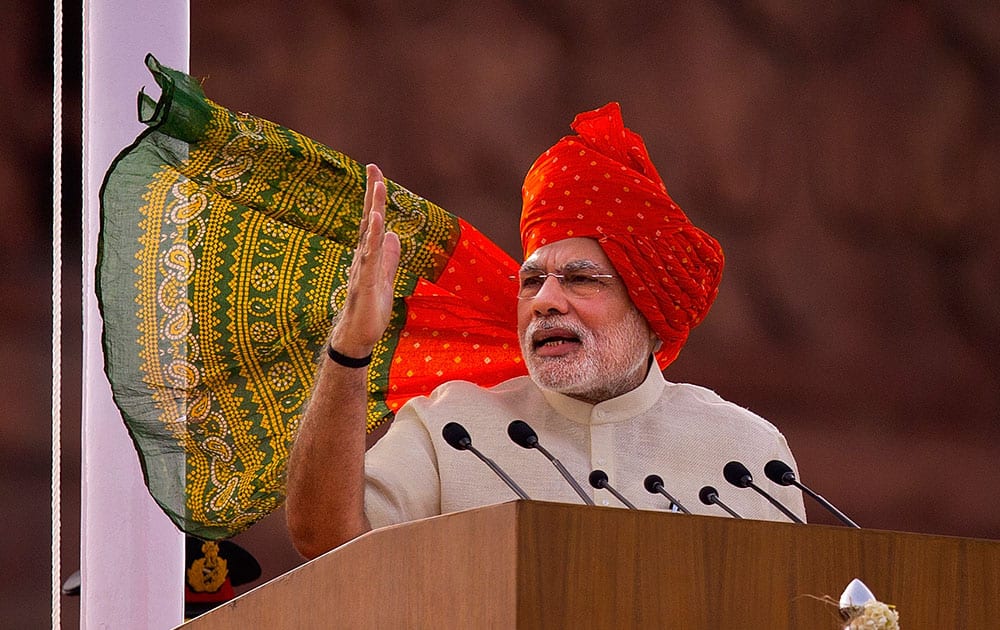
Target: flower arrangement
{"points": [[873, 616], [862, 611]]}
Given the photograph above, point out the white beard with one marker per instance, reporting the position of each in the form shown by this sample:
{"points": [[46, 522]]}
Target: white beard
{"points": [[611, 364]]}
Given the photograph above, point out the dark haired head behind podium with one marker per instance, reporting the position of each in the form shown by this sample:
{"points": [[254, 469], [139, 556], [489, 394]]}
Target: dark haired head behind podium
{"points": [[614, 277]]}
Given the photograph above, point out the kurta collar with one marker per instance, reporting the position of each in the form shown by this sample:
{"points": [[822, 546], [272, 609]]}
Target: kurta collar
{"points": [[624, 407]]}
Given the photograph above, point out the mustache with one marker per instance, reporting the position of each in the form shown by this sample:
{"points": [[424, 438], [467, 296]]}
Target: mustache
{"points": [[550, 323]]}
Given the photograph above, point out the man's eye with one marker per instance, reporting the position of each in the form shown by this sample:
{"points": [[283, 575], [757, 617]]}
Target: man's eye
{"points": [[531, 281], [581, 279]]}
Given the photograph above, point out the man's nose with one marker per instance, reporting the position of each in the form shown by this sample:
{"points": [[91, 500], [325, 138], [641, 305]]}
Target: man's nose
{"points": [[550, 297]]}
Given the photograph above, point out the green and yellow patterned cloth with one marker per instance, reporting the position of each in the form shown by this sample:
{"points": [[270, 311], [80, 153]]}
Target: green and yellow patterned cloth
{"points": [[224, 245]]}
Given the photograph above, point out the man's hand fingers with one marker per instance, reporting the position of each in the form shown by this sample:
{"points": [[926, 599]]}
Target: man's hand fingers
{"points": [[370, 278], [390, 256], [373, 175]]}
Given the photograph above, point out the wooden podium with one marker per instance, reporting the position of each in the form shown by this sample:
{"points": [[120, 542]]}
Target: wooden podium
{"points": [[530, 564]]}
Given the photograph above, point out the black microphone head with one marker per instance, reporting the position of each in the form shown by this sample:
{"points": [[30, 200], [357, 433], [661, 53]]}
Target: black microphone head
{"points": [[598, 478], [779, 472], [708, 495], [456, 436], [522, 434], [653, 483], [737, 474]]}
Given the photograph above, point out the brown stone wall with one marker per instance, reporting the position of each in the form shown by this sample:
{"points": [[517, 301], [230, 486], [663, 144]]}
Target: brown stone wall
{"points": [[846, 156]]}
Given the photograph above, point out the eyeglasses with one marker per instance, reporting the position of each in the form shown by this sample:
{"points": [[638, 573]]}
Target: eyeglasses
{"points": [[576, 283]]}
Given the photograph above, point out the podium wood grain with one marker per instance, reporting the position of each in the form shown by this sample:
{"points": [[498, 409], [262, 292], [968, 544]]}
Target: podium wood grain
{"points": [[529, 564]]}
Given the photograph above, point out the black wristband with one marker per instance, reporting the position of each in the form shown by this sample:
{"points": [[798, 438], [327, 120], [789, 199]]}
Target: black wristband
{"points": [[347, 361]]}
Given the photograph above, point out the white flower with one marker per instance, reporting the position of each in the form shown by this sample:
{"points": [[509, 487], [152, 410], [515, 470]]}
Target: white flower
{"points": [[874, 616]]}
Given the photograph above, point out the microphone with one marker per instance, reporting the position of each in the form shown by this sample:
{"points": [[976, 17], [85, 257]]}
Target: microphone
{"points": [[654, 485], [738, 475], [599, 479], [710, 496], [524, 436], [782, 474], [460, 440]]}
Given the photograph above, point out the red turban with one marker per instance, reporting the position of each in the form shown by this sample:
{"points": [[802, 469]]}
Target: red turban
{"points": [[601, 184]]}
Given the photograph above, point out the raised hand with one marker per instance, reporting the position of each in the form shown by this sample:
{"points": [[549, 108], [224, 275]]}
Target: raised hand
{"points": [[368, 305]]}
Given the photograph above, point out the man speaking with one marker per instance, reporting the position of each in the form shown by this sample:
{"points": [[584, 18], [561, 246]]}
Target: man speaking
{"points": [[614, 278]]}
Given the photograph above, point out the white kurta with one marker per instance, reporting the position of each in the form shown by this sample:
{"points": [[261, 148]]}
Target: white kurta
{"points": [[684, 433]]}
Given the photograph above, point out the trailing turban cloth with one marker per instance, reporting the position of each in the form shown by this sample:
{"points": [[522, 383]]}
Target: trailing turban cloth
{"points": [[601, 184]]}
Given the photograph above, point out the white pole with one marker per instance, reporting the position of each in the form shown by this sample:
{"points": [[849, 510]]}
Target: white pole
{"points": [[132, 557], [56, 487]]}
